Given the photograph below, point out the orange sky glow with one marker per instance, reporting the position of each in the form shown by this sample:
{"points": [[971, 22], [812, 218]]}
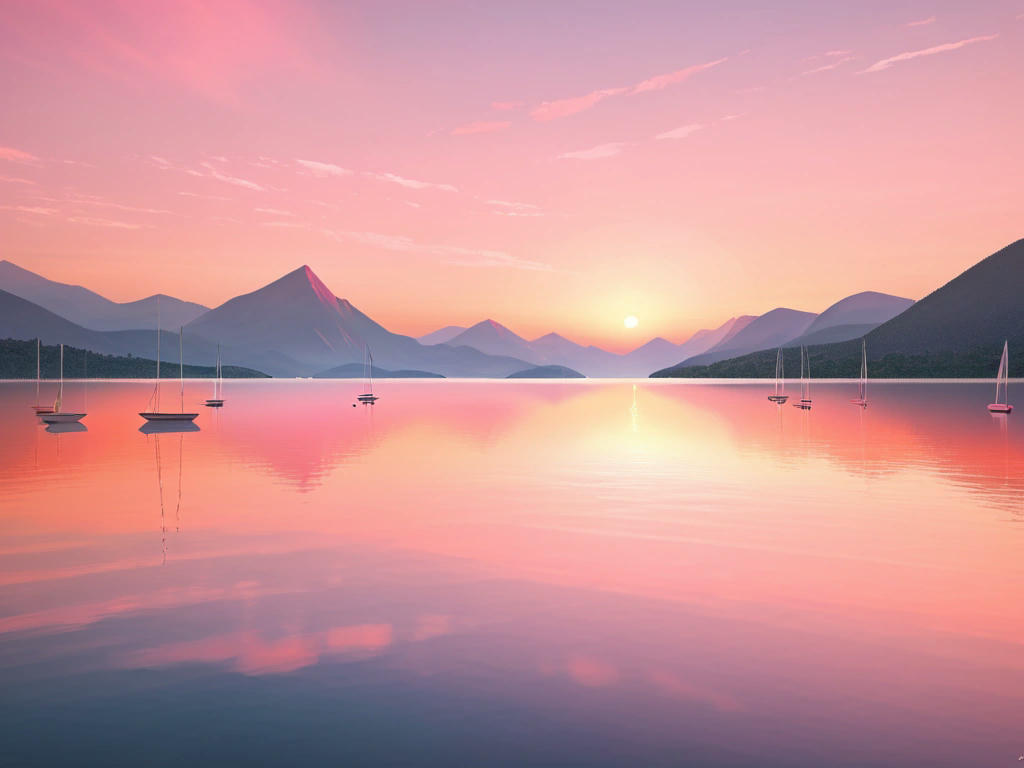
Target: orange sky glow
{"points": [[441, 163]]}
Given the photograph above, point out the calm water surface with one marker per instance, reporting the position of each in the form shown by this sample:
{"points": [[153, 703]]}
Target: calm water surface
{"points": [[506, 573]]}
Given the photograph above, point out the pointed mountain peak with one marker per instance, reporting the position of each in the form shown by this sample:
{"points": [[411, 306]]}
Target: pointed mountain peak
{"points": [[492, 326], [301, 280]]}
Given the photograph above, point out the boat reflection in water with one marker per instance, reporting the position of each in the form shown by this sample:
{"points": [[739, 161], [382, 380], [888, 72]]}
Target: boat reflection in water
{"points": [[517, 564], [170, 426], [64, 427]]}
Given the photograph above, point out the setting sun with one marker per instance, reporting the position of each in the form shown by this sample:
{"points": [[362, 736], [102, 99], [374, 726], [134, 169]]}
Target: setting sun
{"points": [[630, 321]]}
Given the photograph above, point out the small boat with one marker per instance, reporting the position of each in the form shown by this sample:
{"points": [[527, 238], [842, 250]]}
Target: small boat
{"points": [[156, 414], [217, 401], [779, 395], [57, 416], [805, 381], [1002, 379], [368, 398], [39, 409], [862, 386]]}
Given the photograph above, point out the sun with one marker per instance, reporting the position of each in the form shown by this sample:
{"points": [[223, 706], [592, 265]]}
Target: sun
{"points": [[630, 321]]}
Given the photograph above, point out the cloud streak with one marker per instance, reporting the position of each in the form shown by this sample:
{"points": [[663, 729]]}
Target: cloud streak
{"points": [[921, 23], [401, 181], [323, 170], [17, 155], [481, 126], [681, 132], [599, 152], [884, 64], [558, 108], [449, 254]]}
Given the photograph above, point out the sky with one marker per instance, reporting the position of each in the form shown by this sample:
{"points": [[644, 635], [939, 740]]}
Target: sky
{"points": [[550, 165]]}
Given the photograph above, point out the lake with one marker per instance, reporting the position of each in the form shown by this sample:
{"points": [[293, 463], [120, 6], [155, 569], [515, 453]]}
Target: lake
{"points": [[585, 573]]}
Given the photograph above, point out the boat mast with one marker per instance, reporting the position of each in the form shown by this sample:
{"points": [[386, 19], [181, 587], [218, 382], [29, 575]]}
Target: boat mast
{"points": [[158, 353], [60, 387], [370, 354], [181, 367], [37, 370]]}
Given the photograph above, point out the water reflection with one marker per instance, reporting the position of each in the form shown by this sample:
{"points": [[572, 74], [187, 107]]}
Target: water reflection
{"points": [[722, 582], [64, 428]]}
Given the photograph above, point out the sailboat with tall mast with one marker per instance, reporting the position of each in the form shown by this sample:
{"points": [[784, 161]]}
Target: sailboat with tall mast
{"points": [[217, 401], [57, 416], [1002, 379], [805, 381], [862, 385], [154, 400], [367, 398], [38, 408], [780, 395]]}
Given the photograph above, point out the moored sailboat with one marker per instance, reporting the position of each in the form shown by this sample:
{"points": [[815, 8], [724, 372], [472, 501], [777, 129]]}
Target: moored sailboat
{"points": [[368, 398], [805, 381], [780, 395], [862, 385], [156, 414], [1002, 379], [217, 401], [57, 416]]}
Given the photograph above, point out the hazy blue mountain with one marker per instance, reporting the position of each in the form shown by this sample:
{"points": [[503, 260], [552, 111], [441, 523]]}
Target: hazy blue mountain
{"points": [[493, 338], [90, 310], [442, 335], [832, 335], [772, 329], [865, 308], [547, 372], [957, 330], [358, 371], [298, 316], [659, 353]]}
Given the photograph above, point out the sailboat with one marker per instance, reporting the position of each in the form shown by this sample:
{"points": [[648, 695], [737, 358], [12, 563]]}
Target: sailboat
{"points": [[57, 416], [39, 409], [862, 386], [1002, 379], [805, 381], [156, 414], [217, 401], [368, 398], [780, 395]]}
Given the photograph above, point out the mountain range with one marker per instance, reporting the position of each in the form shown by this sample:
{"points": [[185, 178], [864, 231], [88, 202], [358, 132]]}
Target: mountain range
{"points": [[296, 326], [958, 330]]}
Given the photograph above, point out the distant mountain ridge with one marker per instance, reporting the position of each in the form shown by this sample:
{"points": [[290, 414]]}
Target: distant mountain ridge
{"points": [[91, 310]]}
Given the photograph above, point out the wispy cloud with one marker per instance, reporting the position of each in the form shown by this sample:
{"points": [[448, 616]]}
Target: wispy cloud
{"points": [[552, 110], [16, 180], [511, 208], [826, 67], [37, 210], [506, 106], [205, 197], [659, 82], [274, 211], [921, 22], [596, 153], [17, 155], [449, 254], [401, 181], [323, 170], [97, 222], [481, 126], [878, 66], [681, 132], [206, 170]]}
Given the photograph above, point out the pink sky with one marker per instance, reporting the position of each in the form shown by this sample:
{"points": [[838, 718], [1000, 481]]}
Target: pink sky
{"points": [[550, 165]]}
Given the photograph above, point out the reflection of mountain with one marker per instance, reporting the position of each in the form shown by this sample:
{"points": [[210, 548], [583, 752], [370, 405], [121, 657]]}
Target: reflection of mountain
{"points": [[88, 309]]}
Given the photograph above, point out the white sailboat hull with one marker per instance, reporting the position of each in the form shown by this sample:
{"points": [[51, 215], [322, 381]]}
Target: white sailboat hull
{"points": [[168, 416], [61, 418]]}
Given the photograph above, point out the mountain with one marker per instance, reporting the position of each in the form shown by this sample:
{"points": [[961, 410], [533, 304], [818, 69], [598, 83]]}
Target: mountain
{"points": [[357, 371], [24, 320], [956, 331], [977, 309], [865, 308], [772, 329], [299, 317], [442, 335], [494, 339], [90, 310], [659, 353], [547, 372]]}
